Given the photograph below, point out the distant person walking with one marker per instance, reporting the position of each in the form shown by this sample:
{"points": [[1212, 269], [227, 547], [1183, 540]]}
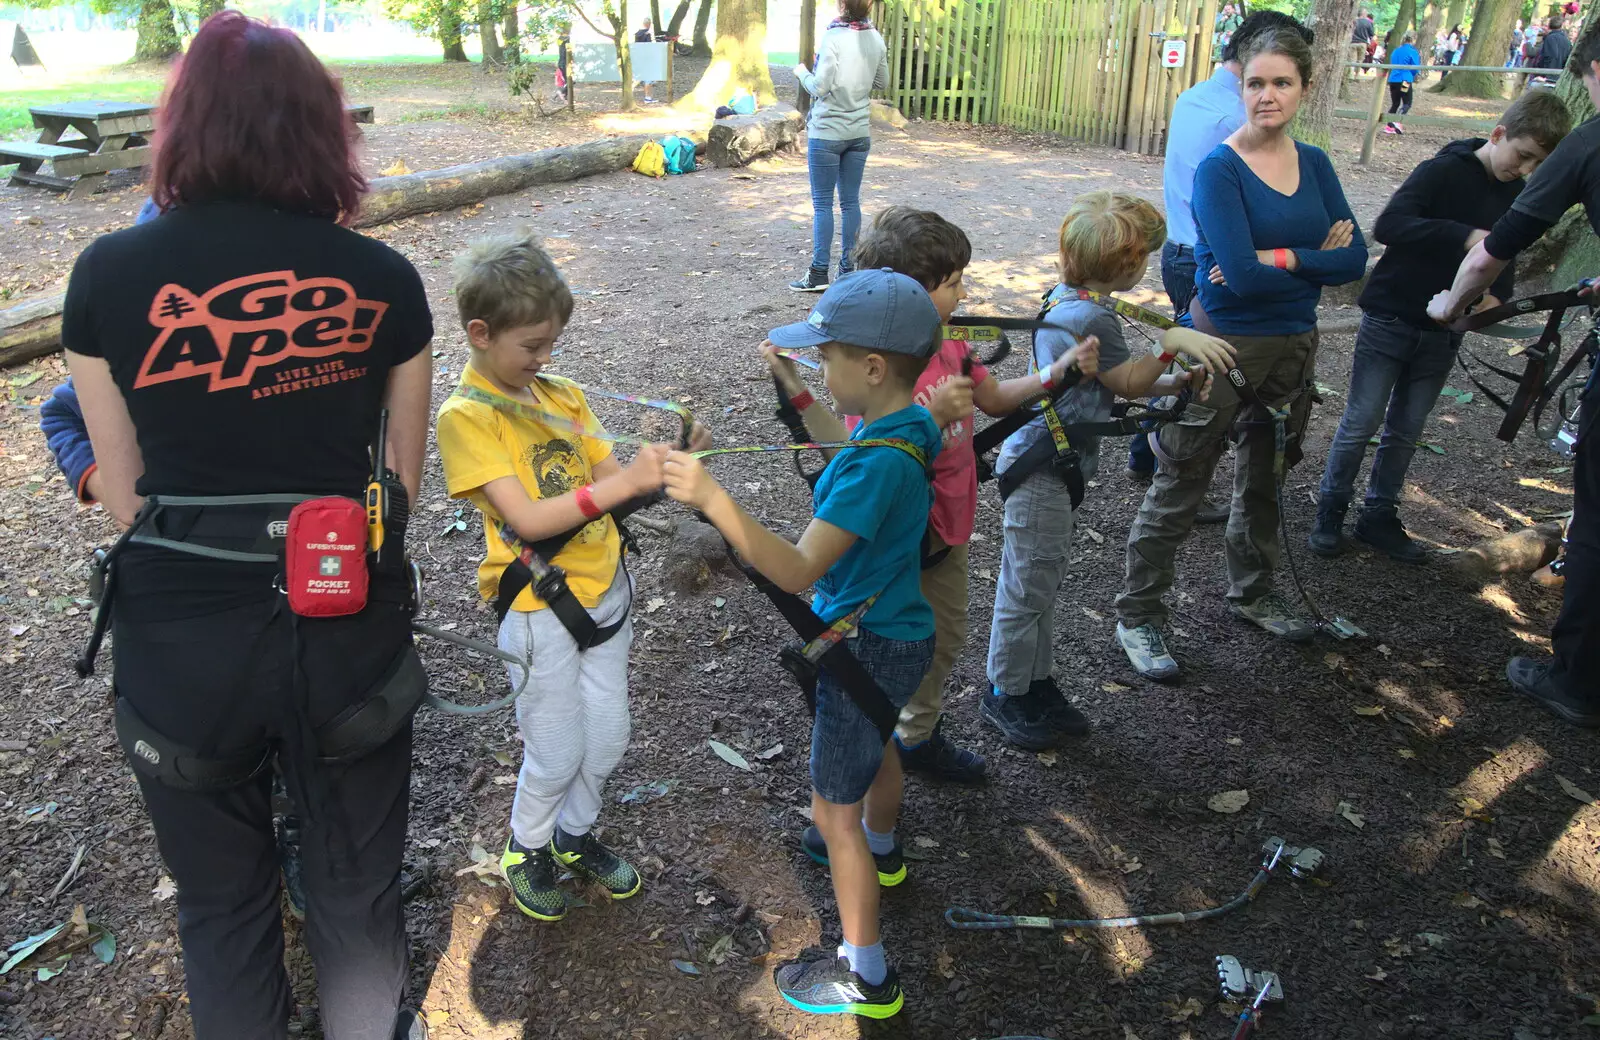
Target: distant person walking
{"points": [[1554, 49], [851, 63], [1514, 55], [1225, 26], [1402, 82], [646, 35]]}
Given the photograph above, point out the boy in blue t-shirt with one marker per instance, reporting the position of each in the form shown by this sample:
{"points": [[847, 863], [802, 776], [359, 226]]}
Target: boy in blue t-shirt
{"points": [[877, 331]]}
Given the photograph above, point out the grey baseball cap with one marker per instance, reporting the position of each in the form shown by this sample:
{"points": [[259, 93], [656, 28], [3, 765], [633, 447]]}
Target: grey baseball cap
{"points": [[873, 310]]}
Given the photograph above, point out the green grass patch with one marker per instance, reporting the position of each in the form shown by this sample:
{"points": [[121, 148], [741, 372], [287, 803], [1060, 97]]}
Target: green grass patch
{"points": [[15, 122]]}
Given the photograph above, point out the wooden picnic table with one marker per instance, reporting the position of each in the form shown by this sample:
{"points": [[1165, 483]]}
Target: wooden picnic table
{"points": [[115, 136]]}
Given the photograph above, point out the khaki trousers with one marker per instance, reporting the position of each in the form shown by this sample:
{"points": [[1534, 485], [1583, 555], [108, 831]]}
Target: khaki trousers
{"points": [[944, 586]]}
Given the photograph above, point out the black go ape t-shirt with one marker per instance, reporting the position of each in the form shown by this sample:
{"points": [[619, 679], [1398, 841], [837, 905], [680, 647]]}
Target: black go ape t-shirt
{"points": [[253, 348], [1569, 177]]}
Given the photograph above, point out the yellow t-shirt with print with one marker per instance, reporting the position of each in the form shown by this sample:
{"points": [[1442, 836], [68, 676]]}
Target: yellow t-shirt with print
{"points": [[479, 443]]}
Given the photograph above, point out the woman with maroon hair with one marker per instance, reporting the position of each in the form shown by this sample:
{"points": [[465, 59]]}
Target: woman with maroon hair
{"points": [[232, 359]]}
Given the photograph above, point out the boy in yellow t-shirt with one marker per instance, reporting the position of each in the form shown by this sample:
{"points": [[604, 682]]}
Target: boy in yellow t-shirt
{"points": [[508, 445]]}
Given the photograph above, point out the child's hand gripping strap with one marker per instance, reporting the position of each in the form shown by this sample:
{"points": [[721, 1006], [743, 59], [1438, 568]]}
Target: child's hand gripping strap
{"points": [[325, 557]]}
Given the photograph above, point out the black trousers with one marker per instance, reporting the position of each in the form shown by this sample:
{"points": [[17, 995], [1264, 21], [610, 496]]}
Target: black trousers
{"points": [[1399, 98], [225, 682], [1576, 636]]}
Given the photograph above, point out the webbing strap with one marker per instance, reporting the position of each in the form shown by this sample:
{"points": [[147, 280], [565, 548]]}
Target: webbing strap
{"points": [[841, 629]]}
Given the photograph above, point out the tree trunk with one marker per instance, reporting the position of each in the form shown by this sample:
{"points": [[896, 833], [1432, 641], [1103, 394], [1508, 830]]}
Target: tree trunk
{"points": [[1490, 42], [702, 19], [511, 33], [492, 54], [739, 58], [655, 16], [158, 36], [1430, 29], [736, 140], [621, 39], [450, 31], [1453, 15], [30, 329], [1404, 17], [679, 13], [1331, 20], [205, 9]]}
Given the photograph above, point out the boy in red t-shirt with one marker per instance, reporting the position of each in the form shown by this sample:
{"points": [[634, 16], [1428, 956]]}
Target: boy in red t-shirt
{"points": [[930, 249]]}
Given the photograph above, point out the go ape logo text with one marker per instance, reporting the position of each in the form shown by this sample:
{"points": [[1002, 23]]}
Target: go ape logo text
{"points": [[257, 320]]}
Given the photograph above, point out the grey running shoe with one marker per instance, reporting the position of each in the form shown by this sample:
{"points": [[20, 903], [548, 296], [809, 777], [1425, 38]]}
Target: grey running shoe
{"points": [[1147, 652], [1271, 613]]}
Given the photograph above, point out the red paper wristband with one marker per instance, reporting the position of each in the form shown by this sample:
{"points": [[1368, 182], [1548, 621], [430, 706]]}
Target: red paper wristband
{"points": [[802, 400], [586, 504]]}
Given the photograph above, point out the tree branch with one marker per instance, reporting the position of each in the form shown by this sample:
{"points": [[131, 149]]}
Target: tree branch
{"points": [[585, 17]]}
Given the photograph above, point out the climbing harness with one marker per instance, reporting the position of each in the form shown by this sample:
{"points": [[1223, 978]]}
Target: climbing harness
{"points": [[1302, 863], [1241, 985], [1534, 391]]}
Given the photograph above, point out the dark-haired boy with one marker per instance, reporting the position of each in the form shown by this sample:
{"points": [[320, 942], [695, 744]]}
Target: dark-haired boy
{"points": [[876, 331], [935, 252], [1402, 357]]}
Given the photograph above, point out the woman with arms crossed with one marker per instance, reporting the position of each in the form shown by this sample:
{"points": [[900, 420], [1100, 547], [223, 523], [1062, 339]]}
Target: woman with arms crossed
{"points": [[1266, 273], [242, 345]]}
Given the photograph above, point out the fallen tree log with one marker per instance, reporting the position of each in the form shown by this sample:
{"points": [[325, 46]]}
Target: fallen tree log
{"points": [[735, 140], [30, 329], [391, 198], [1519, 552]]}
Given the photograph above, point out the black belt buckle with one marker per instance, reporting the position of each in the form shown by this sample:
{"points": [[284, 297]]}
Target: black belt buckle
{"points": [[552, 583], [97, 578]]}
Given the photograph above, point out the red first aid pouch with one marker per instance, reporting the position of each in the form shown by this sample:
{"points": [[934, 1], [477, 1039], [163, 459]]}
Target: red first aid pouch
{"points": [[325, 557]]}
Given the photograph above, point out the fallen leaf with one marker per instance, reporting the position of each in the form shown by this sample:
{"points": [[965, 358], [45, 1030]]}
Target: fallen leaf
{"points": [[438, 1016], [1047, 758], [1190, 1008], [165, 889], [1466, 901], [1575, 791], [945, 964], [1333, 661], [704, 898], [655, 604], [1115, 687], [1128, 1033], [1376, 709], [728, 755], [925, 842], [1473, 809], [772, 752], [1094, 536], [1235, 741], [646, 792], [1444, 722], [1384, 650], [1378, 975], [504, 758], [1348, 811], [1430, 664], [1497, 850], [18, 630], [1094, 615], [719, 603], [399, 169], [720, 950], [1228, 801], [685, 967], [1433, 939], [1405, 752], [21, 951]]}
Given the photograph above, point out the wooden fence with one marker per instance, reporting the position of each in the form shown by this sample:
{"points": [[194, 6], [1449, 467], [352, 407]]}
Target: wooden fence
{"points": [[1087, 69]]}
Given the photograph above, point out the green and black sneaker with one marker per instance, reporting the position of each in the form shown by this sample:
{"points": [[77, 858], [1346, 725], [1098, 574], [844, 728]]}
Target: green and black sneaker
{"points": [[531, 873], [891, 867], [597, 863]]}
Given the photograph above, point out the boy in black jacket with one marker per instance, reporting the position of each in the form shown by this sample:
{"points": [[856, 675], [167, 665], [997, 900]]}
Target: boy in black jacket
{"points": [[1402, 356]]}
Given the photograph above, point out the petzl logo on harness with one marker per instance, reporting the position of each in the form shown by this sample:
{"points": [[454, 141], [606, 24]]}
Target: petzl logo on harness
{"points": [[261, 319], [146, 752]]}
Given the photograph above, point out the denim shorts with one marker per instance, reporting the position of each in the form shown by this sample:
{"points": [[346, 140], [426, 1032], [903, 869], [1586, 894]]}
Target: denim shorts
{"points": [[846, 749]]}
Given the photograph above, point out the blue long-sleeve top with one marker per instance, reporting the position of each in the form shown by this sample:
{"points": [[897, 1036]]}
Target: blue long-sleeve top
{"points": [[1237, 213]]}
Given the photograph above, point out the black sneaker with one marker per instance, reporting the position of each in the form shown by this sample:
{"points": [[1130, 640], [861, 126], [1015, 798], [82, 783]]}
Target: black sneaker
{"points": [[598, 863], [829, 987], [1532, 680], [1024, 721], [410, 1026], [531, 874], [1067, 719], [942, 760], [1383, 531], [891, 867], [812, 282], [294, 889], [1327, 537]]}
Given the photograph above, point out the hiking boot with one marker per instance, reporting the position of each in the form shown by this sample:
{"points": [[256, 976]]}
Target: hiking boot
{"points": [[1271, 613], [1147, 652], [813, 281], [891, 867], [1327, 537], [1060, 711], [597, 863], [1532, 680], [1024, 720], [1213, 512], [1384, 532], [938, 758], [294, 889], [829, 987], [531, 874]]}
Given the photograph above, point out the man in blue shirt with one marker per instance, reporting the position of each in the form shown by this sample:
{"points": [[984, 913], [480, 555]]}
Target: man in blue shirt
{"points": [[1203, 116], [1402, 82]]}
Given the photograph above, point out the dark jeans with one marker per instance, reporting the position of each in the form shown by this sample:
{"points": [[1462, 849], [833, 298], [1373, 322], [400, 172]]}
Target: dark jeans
{"points": [[1576, 636], [835, 165], [1177, 278], [222, 683], [1398, 372]]}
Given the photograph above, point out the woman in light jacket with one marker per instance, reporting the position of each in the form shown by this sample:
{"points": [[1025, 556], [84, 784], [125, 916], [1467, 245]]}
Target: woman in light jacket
{"points": [[851, 63]]}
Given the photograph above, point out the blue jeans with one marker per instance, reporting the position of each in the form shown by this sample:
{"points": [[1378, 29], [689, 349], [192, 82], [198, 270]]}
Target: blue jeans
{"points": [[841, 165], [846, 749], [1398, 372]]}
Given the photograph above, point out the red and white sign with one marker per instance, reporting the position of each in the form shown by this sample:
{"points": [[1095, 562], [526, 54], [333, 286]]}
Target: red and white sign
{"points": [[1172, 52]]}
